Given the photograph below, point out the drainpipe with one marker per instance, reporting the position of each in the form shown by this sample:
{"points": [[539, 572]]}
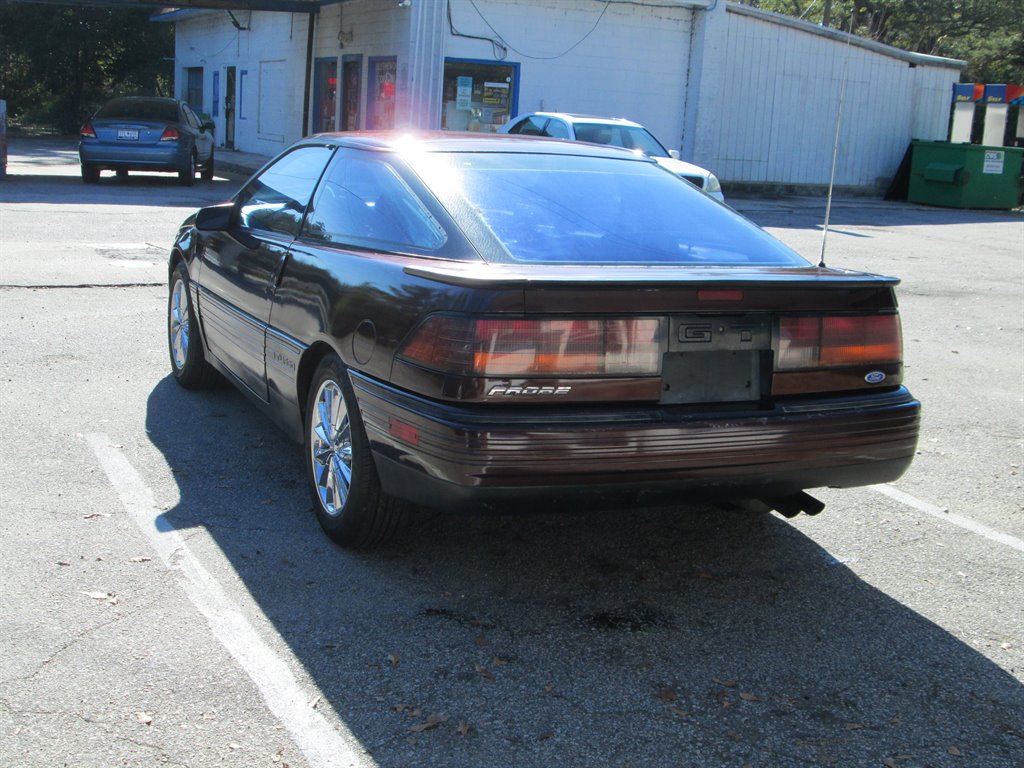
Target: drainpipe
{"points": [[309, 75]]}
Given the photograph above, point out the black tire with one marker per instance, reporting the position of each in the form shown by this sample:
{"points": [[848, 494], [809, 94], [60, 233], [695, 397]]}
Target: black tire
{"points": [[353, 511], [208, 168], [90, 174], [187, 175], [184, 343]]}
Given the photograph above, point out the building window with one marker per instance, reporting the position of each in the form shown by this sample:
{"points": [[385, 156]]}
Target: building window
{"points": [[479, 95], [216, 94], [242, 77], [194, 88], [380, 102]]}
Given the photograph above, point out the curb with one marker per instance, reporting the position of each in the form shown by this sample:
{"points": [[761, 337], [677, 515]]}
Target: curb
{"points": [[244, 166]]}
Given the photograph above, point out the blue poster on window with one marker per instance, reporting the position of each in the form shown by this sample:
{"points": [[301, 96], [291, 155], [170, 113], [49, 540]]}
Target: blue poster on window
{"points": [[464, 93]]}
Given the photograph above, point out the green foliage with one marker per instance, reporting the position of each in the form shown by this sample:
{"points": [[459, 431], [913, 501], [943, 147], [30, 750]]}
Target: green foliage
{"points": [[58, 63], [987, 34]]}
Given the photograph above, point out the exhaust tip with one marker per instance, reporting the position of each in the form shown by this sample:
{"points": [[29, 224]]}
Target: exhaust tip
{"points": [[792, 505]]}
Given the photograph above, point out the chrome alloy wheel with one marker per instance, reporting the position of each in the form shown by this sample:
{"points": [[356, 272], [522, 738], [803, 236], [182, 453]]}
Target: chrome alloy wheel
{"points": [[179, 325], [331, 446]]}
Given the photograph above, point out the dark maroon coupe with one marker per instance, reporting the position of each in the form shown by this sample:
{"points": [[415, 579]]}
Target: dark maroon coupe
{"points": [[465, 321]]}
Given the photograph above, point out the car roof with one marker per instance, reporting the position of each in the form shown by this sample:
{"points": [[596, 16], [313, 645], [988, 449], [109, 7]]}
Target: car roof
{"points": [[453, 141], [577, 118]]}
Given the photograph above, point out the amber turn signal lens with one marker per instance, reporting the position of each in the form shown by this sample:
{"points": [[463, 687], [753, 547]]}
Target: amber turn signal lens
{"points": [[838, 340]]}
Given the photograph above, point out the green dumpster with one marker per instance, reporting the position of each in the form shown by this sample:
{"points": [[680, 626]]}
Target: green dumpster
{"points": [[965, 175]]}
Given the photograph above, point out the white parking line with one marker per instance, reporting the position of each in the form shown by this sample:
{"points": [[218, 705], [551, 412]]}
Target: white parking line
{"points": [[321, 744], [966, 523]]}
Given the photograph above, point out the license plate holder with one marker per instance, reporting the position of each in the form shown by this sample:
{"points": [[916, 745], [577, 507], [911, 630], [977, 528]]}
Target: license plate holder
{"points": [[717, 358], [127, 134], [724, 376]]}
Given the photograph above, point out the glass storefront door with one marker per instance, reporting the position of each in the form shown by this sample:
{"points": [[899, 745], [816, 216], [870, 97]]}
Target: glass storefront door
{"points": [[325, 91], [351, 91], [381, 91]]}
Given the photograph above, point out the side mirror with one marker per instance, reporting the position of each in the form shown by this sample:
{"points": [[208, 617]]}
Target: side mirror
{"points": [[674, 154], [206, 121], [221, 218], [215, 218]]}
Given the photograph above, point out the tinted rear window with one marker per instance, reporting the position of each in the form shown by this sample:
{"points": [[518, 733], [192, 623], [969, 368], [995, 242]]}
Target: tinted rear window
{"points": [[141, 109], [551, 209]]}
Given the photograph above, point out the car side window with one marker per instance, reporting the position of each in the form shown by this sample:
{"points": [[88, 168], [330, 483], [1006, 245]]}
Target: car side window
{"points": [[190, 117], [363, 202], [556, 129], [276, 200], [530, 126], [596, 133]]}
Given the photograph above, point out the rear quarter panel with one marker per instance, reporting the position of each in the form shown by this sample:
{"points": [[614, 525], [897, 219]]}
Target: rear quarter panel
{"points": [[363, 306]]}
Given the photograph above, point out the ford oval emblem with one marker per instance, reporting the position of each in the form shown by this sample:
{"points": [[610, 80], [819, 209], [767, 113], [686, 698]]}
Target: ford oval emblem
{"points": [[875, 377]]}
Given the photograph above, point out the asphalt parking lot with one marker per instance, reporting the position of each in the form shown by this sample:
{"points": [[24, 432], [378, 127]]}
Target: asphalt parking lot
{"points": [[168, 599]]}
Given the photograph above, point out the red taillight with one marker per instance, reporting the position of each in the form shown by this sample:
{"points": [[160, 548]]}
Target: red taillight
{"points": [[86, 131], [170, 134], [526, 347], [839, 340]]}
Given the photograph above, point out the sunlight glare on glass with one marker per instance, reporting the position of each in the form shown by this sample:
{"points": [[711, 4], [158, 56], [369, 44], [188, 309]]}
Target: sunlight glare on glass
{"points": [[435, 168]]}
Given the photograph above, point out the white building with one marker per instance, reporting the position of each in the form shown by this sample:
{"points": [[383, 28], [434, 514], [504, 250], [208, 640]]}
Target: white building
{"points": [[753, 96]]}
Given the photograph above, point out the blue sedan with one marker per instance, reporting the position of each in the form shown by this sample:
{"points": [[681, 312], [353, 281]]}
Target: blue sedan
{"points": [[146, 134]]}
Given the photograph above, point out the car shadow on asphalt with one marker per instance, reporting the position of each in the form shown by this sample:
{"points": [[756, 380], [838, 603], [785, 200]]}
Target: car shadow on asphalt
{"points": [[684, 636], [873, 214]]}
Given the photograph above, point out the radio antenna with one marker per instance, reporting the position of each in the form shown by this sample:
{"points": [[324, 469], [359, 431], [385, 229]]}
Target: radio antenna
{"points": [[835, 145]]}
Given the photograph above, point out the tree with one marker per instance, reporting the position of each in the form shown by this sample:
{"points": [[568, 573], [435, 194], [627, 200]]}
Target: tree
{"points": [[58, 63], [987, 34]]}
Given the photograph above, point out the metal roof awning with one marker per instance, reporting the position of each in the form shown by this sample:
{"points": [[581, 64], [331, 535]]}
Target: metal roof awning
{"points": [[288, 6]]}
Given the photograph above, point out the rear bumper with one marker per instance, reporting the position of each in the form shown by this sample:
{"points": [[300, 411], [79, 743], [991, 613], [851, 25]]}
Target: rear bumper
{"points": [[169, 156], [476, 457]]}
